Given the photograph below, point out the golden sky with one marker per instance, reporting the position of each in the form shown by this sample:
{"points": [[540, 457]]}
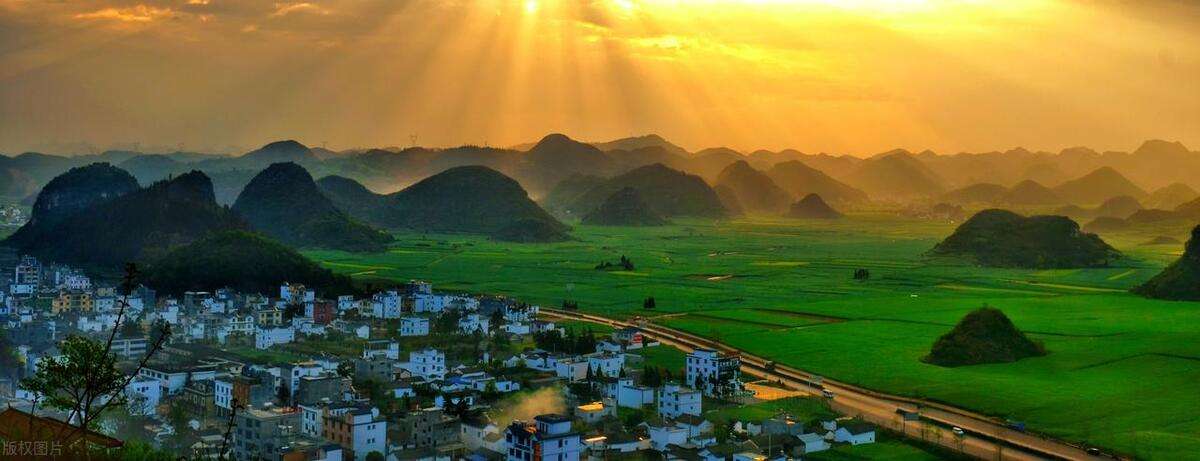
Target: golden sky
{"points": [[843, 76]]}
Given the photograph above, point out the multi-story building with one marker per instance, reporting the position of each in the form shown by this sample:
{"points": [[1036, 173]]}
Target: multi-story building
{"points": [[290, 374], [321, 312], [246, 391], [264, 433], [143, 394], [713, 373], [294, 293], [386, 305], [606, 364], [675, 400], [549, 438], [198, 401], [471, 323], [130, 348], [72, 301], [414, 326], [264, 338], [381, 348], [426, 428], [360, 431], [269, 316], [427, 363], [75, 281], [172, 377], [327, 386], [27, 277]]}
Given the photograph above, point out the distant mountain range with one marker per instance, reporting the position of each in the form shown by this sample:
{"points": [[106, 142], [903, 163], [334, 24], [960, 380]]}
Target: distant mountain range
{"points": [[1159, 174], [667, 192]]}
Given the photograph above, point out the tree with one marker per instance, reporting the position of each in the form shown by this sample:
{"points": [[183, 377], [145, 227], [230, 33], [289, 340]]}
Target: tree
{"points": [[495, 321], [345, 369], [159, 329], [651, 376], [131, 329], [375, 456], [648, 303], [83, 380], [284, 394], [9, 361], [626, 263], [447, 323], [292, 311]]}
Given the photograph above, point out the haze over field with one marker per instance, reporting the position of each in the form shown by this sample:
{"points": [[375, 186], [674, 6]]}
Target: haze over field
{"points": [[845, 76]]}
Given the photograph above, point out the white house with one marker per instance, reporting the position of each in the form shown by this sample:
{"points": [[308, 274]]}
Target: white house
{"points": [[223, 392], [518, 313], [519, 329], [367, 431], [382, 348], [414, 326], [403, 388], [480, 434], [264, 338], [606, 364], [106, 303], [711, 372], [675, 400], [855, 433], [144, 394], [386, 305], [97, 323], [427, 302], [666, 434], [292, 293], [471, 323], [813, 442], [571, 370], [428, 364], [629, 395], [346, 302], [550, 436], [173, 378]]}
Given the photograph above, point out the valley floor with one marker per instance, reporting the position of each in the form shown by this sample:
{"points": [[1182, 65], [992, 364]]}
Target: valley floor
{"points": [[1121, 373]]}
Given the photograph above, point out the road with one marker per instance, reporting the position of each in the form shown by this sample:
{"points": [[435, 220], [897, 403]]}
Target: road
{"points": [[984, 438]]}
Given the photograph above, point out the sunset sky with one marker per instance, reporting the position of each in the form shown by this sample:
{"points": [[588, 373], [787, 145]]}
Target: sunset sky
{"points": [[842, 76]]}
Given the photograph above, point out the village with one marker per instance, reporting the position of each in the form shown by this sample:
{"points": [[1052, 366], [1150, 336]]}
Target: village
{"points": [[408, 373]]}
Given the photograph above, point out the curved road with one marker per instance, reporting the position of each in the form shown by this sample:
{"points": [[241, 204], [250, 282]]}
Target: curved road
{"points": [[984, 438]]}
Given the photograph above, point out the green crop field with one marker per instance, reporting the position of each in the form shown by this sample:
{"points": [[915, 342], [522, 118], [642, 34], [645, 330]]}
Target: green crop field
{"points": [[1122, 372]]}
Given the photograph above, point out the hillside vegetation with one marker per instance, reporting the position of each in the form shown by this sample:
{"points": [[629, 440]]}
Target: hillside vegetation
{"points": [[755, 191], [1181, 280], [133, 227], [241, 260], [669, 193], [624, 208], [1001, 238], [985, 335], [285, 203], [813, 207], [468, 199]]}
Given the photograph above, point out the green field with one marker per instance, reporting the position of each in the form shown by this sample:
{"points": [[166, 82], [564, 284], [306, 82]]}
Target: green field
{"points": [[1122, 373]]}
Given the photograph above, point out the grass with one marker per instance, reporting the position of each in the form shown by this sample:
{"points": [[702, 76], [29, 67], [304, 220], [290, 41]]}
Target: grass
{"points": [[1120, 374]]}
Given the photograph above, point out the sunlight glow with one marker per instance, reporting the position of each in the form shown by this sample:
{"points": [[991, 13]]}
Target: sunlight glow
{"points": [[842, 76]]}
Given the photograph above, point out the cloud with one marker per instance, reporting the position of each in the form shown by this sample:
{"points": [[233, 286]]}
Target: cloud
{"points": [[284, 9], [137, 13]]}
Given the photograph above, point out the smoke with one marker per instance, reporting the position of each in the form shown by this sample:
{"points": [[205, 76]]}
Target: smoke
{"points": [[540, 402]]}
